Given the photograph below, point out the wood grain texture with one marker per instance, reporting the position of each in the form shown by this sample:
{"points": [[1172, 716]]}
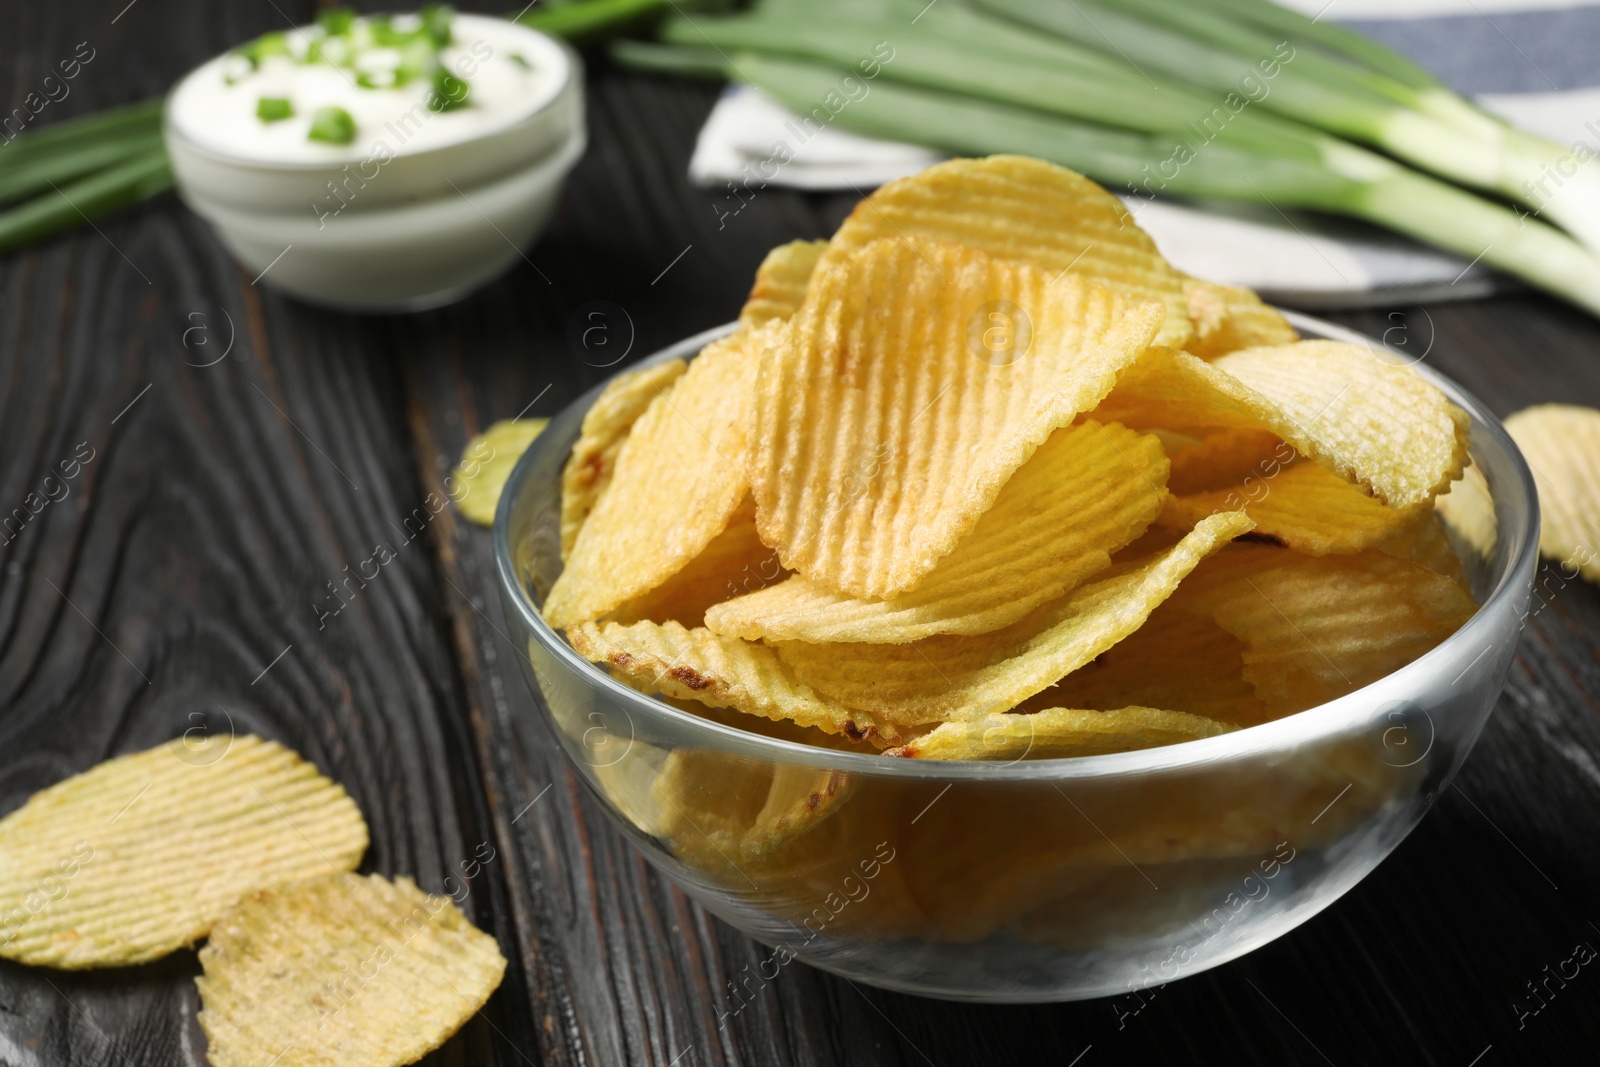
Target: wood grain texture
{"points": [[199, 543]]}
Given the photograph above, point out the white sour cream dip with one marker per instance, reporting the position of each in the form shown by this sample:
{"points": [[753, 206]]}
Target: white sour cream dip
{"points": [[510, 73]]}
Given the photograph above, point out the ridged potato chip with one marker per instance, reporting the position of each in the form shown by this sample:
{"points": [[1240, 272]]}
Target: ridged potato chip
{"points": [[679, 477], [1226, 459], [1178, 660], [781, 281], [341, 970], [1086, 492], [140, 855], [1058, 732], [741, 809], [486, 463], [605, 427], [722, 672], [1468, 509], [1226, 318], [1424, 539], [883, 431], [733, 563], [1318, 627], [957, 677], [1028, 211], [1561, 443], [1305, 507], [1373, 422], [1377, 423]]}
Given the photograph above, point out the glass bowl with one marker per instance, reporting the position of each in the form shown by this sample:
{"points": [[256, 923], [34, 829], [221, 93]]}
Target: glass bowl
{"points": [[1040, 880]]}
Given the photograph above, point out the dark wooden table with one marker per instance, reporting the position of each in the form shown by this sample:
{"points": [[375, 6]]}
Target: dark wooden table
{"points": [[247, 448]]}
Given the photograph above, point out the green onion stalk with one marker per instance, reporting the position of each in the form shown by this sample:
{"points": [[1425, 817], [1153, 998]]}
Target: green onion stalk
{"points": [[1426, 125], [970, 83]]}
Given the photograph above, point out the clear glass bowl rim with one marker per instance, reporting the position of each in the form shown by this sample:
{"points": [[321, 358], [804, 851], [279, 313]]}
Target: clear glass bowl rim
{"points": [[1517, 499]]}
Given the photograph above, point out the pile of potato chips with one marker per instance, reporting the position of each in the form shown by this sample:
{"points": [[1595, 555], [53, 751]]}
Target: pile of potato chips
{"points": [[242, 841], [985, 477]]}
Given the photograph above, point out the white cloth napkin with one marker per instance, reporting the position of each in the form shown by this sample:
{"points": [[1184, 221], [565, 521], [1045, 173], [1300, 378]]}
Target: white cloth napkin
{"points": [[1480, 47]]}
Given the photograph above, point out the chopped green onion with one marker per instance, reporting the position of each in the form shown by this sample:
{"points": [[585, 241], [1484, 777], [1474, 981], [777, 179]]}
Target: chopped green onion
{"points": [[436, 23], [336, 20], [263, 47], [332, 125], [449, 91], [274, 109]]}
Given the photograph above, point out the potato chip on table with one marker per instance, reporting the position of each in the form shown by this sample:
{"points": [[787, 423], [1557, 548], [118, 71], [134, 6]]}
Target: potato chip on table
{"points": [[341, 970], [140, 855], [1561, 443], [486, 463]]}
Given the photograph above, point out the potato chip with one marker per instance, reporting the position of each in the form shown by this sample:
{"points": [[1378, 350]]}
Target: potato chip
{"points": [[723, 672], [1424, 539], [1561, 443], [1373, 422], [742, 809], [958, 677], [341, 970], [486, 463], [1027, 211], [140, 855], [1468, 509], [1056, 733], [605, 427], [1086, 492], [628, 782], [1305, 507], [1177, 660], [781, 282], [1226, 459], [1226, 318], [734, 563], [883, 430], [1317, 628], [679, 478], [791, 840]]}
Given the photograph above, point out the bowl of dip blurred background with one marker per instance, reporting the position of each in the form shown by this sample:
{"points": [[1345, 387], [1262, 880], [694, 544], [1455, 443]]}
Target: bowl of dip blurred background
{"points": [[431, 185]]}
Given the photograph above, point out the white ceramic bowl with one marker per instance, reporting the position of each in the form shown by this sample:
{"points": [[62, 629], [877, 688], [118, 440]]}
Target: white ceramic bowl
{"points": [[425, 228]]}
